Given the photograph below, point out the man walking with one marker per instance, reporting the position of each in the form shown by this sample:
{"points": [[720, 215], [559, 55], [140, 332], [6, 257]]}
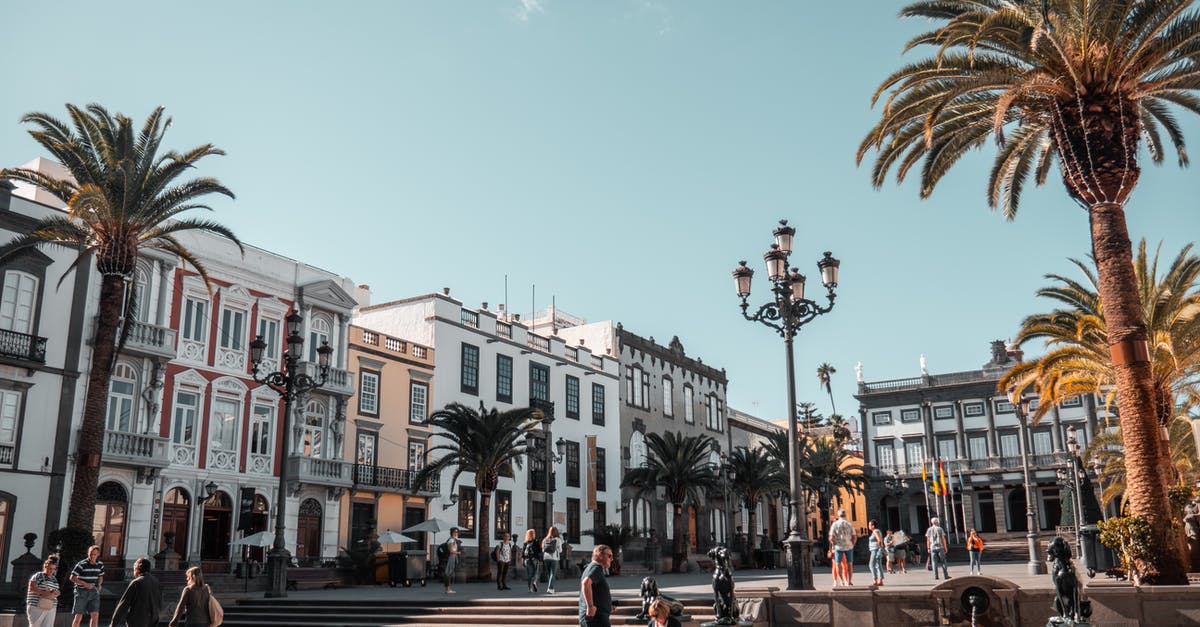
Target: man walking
{"points": [[88, 577], [595, 599], [453, 550], [935, 542], [841, 540], [141, 604]]}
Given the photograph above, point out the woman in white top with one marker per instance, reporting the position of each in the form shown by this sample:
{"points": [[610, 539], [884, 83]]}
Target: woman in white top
{"points": [[41, 597], [551, 553]]}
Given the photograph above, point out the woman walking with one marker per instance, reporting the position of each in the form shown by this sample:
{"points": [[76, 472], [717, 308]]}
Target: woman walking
{"points": [[531, 552], [193, 603], [41, 597], [875, 544], [975, 552], [551, 554]]}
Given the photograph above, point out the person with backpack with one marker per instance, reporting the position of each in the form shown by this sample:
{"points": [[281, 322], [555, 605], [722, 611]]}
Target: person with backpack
{"points": [[975, 552], [531, 552], [451, 550], [503, 554], [551, 554]]}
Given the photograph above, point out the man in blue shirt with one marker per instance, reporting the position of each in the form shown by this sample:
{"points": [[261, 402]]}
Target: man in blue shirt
{"points": [[595, 599], [88, 577]]}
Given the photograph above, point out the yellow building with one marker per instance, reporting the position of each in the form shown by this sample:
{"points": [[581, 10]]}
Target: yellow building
{"points": [[387, 436]]}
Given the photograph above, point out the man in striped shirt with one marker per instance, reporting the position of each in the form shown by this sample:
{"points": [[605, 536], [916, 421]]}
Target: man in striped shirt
{"points": [[88, 577]]}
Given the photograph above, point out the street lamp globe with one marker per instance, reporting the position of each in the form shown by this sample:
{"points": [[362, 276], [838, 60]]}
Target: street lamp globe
{"points": [[741, 279], [776, 261], [323, 355], [796, 282], [783, 236], [256, 351], [829, 270]]}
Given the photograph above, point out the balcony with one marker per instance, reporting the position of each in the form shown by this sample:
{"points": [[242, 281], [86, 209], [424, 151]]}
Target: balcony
{"points": [[327, 472], [22, 346], [7, 453], [1041, 461], [135, 450], [384, 479], [150, 340], [340, 382]]}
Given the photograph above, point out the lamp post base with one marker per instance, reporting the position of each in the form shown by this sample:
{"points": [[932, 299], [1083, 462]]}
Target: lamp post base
{"points": [[278, 561], [799, 563], [1037, 566]]}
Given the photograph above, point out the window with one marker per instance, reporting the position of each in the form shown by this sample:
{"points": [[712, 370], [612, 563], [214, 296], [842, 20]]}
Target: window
{"points": [[365, 455], [573, 521], [572, 464], [269, 331], [572, 397], [947, 448], [10, 406], [466, 512], [1004, 407], [720, 415], [18, 301], [881, 417], [223, 434], [601, 470], [668, 397], [416, 454], [637, 383], [973, 409], [1010, 444], [260, 429], [233, 329], [712, 407], [318, 335], [1042, 443], [943, 412], [122, 407], [314, 428], [597, 404], [195, 318], [503, 522], [689, 405], [539, 382], [186, 407], [504, 378], [600, 516], [914, 452], [418, 402], [1074, 401], [368, 393], [977, 445], [470, 369], [885, 454], [910, 415]]}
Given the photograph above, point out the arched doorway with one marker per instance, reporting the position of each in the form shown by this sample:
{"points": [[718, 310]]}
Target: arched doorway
{"points": [[177, 510], [308, 530], [215, 532], [108, 527], [257, 523]]}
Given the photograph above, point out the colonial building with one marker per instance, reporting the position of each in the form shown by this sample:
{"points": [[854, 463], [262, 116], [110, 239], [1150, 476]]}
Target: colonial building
{"points": [[493, 359], [387, 436], [962, 420]]}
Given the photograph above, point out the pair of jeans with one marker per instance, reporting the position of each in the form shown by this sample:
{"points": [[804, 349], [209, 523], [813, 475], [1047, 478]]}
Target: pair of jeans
{"points": [[532, 567], [551, 571], [938, 558], [876, 564], [976, 562]]}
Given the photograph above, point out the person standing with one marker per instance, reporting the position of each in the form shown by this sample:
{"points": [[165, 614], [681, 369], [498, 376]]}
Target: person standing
{"points": [[841, 540], [900, 544], [88, 577], [889, 549], [453, 550], [935, 542], [141, 604], [875, 544], [975, 552], [41, 595], [192, 608], [531, 552], [504, 555], [551, 553], [595, 599]]}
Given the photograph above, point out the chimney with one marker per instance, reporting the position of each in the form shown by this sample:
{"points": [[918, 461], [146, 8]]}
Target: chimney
{"points": [[362, 294], [446, 291], [484, 306]]}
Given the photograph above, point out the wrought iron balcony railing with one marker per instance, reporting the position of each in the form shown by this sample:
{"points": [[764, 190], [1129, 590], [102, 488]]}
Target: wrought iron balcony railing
{"points": [[367, 476], [22, 346]]}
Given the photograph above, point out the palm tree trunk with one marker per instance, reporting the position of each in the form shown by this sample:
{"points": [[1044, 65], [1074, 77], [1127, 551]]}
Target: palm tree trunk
{"points": [[82, 509], [1144, 443], [677, 550], [483, 569], [752, 531]]}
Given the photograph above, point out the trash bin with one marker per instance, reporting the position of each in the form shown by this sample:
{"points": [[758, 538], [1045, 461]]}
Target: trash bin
{"points": [[1096, 556], [396, 568], [415, 567]]}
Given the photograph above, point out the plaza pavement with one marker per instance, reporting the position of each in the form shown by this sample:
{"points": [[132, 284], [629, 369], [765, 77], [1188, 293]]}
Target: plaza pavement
{"points": [[690, 585]]}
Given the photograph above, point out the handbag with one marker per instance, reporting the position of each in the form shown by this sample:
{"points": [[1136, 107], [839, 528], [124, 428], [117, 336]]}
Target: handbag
{"points": [[216, 613]]}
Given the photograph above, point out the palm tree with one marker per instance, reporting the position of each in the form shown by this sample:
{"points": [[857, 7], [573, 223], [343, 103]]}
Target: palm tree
{"points": [[485, 443], [1079, 82], [1079, 361], [680, 465], [1108, 448], [757, 476], [828, 468], [825, 376], [123, 196]]}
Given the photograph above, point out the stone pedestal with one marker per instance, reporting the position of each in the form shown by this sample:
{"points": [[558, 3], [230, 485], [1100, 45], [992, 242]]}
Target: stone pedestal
{"points": [[853, 605], [799, 563]]}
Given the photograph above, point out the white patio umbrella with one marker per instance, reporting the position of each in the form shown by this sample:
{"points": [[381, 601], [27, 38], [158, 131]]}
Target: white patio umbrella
{"points": [[260, 539], [394, 537], [432, 525]]}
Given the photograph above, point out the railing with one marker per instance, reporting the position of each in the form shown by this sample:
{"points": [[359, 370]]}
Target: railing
{"points": [[22, 346], [150, 339], [395, 479], [597, 362], [894, 384], [370, 339], [329, 472], [419, 351], [928, 380], [339, 381], [504, 329], [7, 453], [135, 448], [539, 342], [1043, 461], [395, 345], [572, 353], [470, 318]]}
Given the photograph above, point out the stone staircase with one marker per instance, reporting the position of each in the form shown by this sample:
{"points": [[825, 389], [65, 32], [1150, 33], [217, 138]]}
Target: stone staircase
{"points": [[435, 610]]}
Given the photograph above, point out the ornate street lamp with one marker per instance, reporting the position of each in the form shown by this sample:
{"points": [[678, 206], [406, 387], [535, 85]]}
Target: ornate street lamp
{"points": [[1021, 407], [786, 312], [290, 383]]}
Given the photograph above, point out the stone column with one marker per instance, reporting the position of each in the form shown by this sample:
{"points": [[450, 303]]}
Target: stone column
{"points": [[1089, 404], [961, 436], [1000, 493], [993, 439], [1056, 434]]}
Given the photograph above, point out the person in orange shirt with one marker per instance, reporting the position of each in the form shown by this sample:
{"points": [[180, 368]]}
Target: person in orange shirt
{"points": [[975, 552]]}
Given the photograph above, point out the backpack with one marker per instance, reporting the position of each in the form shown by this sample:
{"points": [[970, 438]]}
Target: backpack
{"points": [[443, 551], [532, 551], [551, 545], [496, 553]]}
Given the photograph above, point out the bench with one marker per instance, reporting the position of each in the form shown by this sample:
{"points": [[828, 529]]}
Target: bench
{"points": [[312, 578]]}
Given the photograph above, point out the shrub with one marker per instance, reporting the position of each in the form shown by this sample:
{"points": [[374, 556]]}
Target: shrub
{"points": [[1131, 538]]}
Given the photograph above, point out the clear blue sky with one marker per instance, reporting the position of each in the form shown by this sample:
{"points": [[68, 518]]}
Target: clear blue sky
{"points": [[621, 155]]}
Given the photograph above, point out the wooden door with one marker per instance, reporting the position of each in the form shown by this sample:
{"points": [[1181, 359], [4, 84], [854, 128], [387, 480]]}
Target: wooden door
{"points": [[177, 510], [308, 530]]}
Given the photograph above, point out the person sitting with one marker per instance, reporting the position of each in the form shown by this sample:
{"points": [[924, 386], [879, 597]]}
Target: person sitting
{"points": [[660, 615]]}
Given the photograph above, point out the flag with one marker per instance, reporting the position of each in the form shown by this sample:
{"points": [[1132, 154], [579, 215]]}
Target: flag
{"points": [[924, 477], [942, 472]]}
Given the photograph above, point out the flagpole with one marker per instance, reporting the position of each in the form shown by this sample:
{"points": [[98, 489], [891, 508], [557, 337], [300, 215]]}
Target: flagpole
{"points": [[946, 511], [962, 489], [924, 489]]}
